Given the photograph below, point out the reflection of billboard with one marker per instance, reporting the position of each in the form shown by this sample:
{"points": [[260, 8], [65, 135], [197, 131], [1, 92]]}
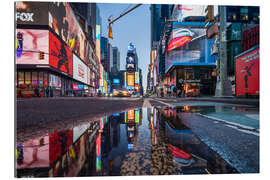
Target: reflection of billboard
{"points": [[79, 130], [60, 55], [59, 143], [116, 81], [137, 116], [130, 79], [79, 69], [130, 115], [247, 68], [137, 79], [32, 41], [32, 13], [33, 154], [63, 21]]}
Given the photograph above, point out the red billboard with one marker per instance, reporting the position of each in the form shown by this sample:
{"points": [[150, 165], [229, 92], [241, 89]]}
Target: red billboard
{"points": [[60, 55], [247, 70]]}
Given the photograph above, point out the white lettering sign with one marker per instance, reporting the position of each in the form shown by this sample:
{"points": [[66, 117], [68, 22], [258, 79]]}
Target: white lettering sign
{"points": [[24, 16]]}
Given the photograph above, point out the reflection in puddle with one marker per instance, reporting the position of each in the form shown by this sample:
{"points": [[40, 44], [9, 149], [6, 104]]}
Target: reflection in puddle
{"points": [[136, 142]]}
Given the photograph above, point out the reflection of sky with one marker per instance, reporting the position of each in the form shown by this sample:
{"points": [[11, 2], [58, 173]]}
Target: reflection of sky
{"points": [[133, 27]]}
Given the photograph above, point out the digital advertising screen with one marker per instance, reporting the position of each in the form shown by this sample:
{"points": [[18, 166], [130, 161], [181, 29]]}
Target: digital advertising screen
{"points": [[98, 32], [79, 70], [137, 78], [130, 79], [64, 23], [188, 45], [130, 60], [116, 81], [137, 116], [247, 68], [29, 42], [78, 131], [34, 13], [131, 48], [60, 55]]}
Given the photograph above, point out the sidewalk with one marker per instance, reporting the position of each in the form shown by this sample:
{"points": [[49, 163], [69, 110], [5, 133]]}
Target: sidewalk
{"points": [[231, 100]]}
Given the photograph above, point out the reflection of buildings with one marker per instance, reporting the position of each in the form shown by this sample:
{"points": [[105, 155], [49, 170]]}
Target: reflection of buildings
{"points": [[56, 50]]}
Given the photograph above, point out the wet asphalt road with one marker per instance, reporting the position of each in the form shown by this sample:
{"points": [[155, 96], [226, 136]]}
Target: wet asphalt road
{"points": [[38, 116]]}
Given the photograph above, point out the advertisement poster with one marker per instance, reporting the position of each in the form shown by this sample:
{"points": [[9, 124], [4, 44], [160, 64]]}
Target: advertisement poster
{"points": [[63, 21], [29, 43], [33, 153], [247, 67], [130, 79], [60, 55], [32, 13], [79, 70], [59, 143]]}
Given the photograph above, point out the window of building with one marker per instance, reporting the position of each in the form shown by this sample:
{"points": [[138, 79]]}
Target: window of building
{"points": [[27, 77], [20, 78], [34, 78]]}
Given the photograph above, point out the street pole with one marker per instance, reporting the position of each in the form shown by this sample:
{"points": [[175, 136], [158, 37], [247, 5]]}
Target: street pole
{"points": [[223, 84]]}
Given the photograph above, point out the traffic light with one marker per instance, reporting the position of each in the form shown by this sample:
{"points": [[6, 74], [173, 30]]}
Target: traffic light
{"points": [[210, 14], [110, 35], [41, 55]]}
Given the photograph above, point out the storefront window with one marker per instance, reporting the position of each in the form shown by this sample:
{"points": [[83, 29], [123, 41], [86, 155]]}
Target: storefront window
{"points": [[27, 77], [34, 78], [40, 78], [45, 76], [189, 74]]}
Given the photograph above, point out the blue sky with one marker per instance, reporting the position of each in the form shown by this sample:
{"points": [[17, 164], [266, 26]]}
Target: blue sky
{"points": [[133, 27]]}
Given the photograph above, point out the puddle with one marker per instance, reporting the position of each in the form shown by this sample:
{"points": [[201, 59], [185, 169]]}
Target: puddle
{"points": [[147, 141]]}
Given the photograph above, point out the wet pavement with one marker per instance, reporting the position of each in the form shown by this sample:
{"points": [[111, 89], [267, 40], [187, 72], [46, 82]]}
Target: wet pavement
{"points": [[142, 141]]}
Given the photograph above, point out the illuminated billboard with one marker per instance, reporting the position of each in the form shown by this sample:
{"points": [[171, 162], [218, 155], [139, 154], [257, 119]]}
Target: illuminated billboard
{"points": [[137, 78], [98, 31], [60, 55], [130, 79], [64, 23], [79, 70], [188, 45], [137, 116], [131, 48], [29, 43], [32, 13], [247, 69]]}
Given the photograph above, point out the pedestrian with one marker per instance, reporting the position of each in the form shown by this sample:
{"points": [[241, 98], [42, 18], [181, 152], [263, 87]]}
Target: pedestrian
{"points": [[174, 91], [47, 91], [36, 91]]}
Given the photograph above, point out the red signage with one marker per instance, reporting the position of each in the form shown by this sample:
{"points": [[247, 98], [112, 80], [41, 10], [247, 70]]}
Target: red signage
{"points": [[247, 67], [60, 55], [178, 42]]}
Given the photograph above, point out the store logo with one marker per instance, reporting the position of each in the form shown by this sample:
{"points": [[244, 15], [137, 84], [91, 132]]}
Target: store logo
{"points": [[24, 16]]}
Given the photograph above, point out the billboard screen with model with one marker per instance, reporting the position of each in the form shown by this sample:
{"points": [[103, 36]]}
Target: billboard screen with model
{"points": [[60, 55], [64, 23]]}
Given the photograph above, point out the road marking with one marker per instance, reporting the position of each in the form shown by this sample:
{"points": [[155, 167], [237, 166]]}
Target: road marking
{"points": [[243, 130], [170, 105], [235, 125], [146, 103]]}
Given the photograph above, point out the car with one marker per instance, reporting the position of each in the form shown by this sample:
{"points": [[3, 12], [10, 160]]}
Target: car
{"points": [[121, 93]]}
